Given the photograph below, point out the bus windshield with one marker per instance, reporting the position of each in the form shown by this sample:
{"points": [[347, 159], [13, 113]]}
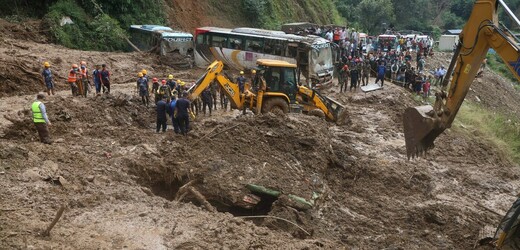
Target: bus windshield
{"points": [[321, 58], [181, 45]]}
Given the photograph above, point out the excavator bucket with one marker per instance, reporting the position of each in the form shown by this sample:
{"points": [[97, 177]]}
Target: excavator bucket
{"points": [[420, 130]]}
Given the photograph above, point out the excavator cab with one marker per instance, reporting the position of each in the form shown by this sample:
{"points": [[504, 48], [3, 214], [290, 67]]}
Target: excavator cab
{"points": [[281, 85]]}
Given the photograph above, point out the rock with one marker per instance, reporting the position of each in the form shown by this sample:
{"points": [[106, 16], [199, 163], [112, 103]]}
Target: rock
{"points": [[90, 178], [31, 175], [59, 140], [143, 214]]}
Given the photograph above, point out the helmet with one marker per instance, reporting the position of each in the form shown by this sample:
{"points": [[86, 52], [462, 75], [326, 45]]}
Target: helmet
{"points": [[163, 81], [46, 64], [140, 74], [350, 57], [154, 79], [83, 63], [74, 66], [182, 83], [144, 71], [253, 71], [170, 77], [241, 72]]}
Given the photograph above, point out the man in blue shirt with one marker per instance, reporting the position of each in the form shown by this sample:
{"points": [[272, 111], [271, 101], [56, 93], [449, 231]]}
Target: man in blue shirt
{"points": [[381, 70], [172, 114], [241, 81], [96, 75], [47, 78], [161, 115], [182, 109]]}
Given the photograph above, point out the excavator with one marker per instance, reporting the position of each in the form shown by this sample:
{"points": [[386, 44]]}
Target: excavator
{"points": [[423, 124], [274, 89]]}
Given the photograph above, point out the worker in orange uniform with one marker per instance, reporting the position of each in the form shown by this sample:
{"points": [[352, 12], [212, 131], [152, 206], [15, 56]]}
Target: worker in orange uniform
{"points": [[73, 77], [84, 79]]}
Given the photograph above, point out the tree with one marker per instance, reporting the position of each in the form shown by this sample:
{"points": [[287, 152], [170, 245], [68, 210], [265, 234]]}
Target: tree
{"points": [[374, 13]]}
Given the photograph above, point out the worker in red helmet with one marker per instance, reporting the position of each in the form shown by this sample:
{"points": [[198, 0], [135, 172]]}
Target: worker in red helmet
{"points": [[164, 91], [155, 88]]}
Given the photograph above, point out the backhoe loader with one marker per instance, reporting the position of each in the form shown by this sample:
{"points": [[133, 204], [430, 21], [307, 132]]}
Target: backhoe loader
{"points": [[275, 89], [423, 124]]}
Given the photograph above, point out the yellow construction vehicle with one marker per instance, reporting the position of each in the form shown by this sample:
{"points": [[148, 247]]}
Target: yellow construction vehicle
{"points": [[423, 124], [274, 89]]}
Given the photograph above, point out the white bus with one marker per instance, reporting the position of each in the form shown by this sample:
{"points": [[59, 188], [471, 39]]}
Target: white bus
{"points": [[240, 48], [166, 40]]}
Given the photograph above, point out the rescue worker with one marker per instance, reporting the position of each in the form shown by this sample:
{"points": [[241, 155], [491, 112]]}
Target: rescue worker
{"points": [[40, 119], [84, 79], [161, 115], [72, 78], [343, 79], [142, 89], [241, 81], [394, 68], [366, 72], [171, 83], [155, 88], [207, 100], [105, 78], [96, 75], [180, 86], [354, 76], [164, 91], [145, 76], [182, 110], [47, 78], [172, 114], [213, 88]]}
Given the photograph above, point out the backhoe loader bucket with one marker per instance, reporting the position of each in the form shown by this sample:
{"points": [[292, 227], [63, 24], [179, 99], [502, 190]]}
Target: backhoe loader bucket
{"points": [[420, 130]]}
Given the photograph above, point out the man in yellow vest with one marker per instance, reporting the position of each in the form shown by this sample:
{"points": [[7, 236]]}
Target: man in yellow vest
{"points": [[40, 119]]}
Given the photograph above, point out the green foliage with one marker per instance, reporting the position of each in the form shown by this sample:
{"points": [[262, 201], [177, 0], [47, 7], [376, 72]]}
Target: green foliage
{"points": [[501, 129], [101, 26], [375, 12], [496, 64], [271, 14]]}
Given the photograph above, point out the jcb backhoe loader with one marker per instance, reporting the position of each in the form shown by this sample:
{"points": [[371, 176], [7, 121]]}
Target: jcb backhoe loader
{"points": [[423, 124], [274, 89]]}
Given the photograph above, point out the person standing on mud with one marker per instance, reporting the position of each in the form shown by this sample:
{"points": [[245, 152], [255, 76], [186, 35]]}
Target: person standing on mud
{"points": [[343, 79], [354, 76], [73, 77], [241, 81], [142, 88], [155, 89], [182, 109], [40, 119], [161, 115], [213, 87], [105, 78], [172, 114], [381, 71], [47, 78], [96, 75], [366, 72], [207, 100], [84, 78]]}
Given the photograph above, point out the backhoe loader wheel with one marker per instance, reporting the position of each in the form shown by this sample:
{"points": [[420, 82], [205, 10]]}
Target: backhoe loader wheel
{"points": [[275, 105], [317, 112]]}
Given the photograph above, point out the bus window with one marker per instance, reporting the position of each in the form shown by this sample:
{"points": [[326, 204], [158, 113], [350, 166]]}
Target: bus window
{"points": [[202, 39], [235, 43], [218, 41], [292, 50], [255, 45], [274, 47]]}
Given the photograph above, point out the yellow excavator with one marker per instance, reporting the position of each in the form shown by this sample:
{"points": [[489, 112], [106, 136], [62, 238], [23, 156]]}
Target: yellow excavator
{"points": [[274, 89], [423, 124]]}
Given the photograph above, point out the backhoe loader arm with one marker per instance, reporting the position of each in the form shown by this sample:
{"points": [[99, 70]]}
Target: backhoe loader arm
{"points": [[213, 72], [313, 99], [423, 124]]}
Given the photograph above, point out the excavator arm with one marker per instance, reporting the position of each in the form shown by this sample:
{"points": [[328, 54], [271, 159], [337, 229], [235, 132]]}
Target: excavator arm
{"points": [[213, 72], [423, 124]]}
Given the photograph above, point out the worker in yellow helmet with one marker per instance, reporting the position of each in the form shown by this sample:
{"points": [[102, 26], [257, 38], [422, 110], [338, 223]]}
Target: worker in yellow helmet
{"points": [[47, 78], [171, 82], [142, 88], [241, 81]]}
